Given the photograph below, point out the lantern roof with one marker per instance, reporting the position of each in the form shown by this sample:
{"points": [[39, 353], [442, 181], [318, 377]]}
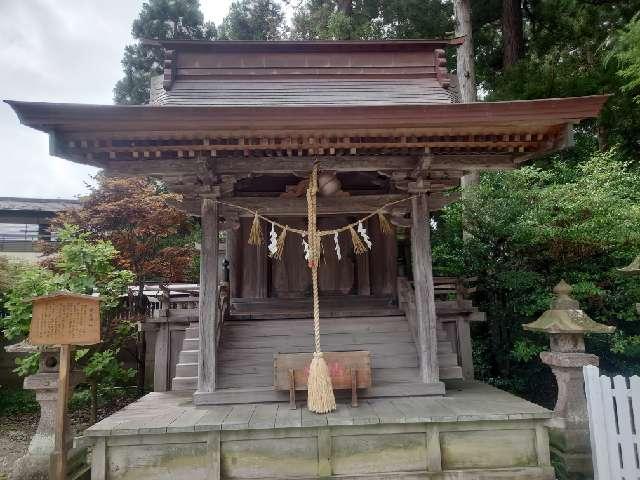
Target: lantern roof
{"points": [[633, 267], [565, 316]]}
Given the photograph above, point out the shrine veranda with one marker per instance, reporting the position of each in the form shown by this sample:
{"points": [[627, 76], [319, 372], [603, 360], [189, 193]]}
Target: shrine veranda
{"points": [[236, 128]]}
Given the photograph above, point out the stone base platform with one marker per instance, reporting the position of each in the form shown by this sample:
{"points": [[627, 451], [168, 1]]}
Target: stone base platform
{"points": [[475, 432]]}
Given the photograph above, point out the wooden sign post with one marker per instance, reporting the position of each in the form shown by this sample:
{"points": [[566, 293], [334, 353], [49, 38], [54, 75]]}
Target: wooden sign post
{"points": [[64, 319]]}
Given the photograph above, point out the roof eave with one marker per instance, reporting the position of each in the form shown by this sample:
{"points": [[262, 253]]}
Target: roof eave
{"points": [[303, 46], [49, 117]]}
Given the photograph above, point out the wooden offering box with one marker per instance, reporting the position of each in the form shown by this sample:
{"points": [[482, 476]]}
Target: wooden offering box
{"points": [[65, 318]]}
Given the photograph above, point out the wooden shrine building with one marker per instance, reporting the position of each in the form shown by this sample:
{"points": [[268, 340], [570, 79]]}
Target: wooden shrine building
{"points": [[241, 124]]}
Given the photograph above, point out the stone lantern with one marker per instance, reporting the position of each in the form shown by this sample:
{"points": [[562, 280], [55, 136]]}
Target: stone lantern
{"points": [[35, 463], [566, 324]]}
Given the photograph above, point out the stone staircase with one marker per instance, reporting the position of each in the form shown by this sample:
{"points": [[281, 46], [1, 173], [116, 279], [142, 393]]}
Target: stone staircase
{"points": [[248, 345]]}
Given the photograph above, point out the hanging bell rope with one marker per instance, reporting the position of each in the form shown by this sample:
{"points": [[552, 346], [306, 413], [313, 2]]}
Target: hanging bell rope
{"points": [[320, 397]]}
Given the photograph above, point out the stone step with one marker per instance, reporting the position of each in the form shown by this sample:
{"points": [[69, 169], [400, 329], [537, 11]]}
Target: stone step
{"points": [[192, 332], [187, 370], [180, 384], [188, 356], [191, 344], [447, 359], [450, 373]]}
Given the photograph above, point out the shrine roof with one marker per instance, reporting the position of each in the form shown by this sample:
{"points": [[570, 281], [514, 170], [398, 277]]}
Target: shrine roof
{"points": [[300, 92], [135, 120], [254, 73]]}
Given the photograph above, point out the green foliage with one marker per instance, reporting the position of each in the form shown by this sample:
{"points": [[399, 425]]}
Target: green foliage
{"points": [[27, 365], [28, 281], [105, 365], [82, 267], [574, 215], [15, 402], [371, 19], [253, 20], [626, 50], [158, 20]]}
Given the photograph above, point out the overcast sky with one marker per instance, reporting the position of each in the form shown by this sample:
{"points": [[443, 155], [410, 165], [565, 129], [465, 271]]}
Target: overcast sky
{"points": [[59, 51]]}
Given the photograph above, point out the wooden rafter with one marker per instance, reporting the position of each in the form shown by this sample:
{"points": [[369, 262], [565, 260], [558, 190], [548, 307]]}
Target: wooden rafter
{"points": [[339, 163]]}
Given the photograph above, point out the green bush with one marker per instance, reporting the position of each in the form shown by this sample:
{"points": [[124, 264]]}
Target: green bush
{"points": [[572, 216], [15, 402], [84, 267]]}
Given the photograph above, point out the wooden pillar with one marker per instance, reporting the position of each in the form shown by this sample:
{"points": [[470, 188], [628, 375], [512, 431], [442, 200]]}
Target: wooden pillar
{"points": [[233, 256], [208, 292], [161, 358], [363, 275], [423, 284]]}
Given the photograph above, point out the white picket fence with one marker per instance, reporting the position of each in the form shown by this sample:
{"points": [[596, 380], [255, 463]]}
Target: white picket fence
{"points": [[614, 415]]}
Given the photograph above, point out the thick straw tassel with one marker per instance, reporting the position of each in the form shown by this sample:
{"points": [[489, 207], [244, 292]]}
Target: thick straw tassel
{"points": [[255, 235], [280, 244], [358, 246], [320, 397], [385, 226]]}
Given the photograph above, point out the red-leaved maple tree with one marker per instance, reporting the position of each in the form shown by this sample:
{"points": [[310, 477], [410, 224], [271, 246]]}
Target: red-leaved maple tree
{"points": [[141, 220]]}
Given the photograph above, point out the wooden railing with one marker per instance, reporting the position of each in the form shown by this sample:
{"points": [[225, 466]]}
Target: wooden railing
{"points": [[453, 288], [169, 315], [454, 312]]}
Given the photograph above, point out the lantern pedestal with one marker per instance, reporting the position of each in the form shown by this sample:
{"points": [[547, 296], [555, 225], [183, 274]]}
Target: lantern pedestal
{"points": [[569, 433], [34, 465]]}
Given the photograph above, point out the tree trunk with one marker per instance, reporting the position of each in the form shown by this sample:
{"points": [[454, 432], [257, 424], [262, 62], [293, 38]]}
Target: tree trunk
{"points": [[465, 63], [603, 137], [512, 33], [346, 7]]}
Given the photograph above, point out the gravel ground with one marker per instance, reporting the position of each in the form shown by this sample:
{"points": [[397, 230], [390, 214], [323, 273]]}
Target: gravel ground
{"points": [[16, 432]]}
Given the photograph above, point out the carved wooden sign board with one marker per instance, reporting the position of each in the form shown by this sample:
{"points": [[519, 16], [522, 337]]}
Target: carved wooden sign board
{"points": [[65, 318]]}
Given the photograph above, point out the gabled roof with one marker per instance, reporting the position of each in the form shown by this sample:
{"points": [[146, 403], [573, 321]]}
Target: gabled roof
{"points": [[232, 110], [288, 73], [94, 121]]}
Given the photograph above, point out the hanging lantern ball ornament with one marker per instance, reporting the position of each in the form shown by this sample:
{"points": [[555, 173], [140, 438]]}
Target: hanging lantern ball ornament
{"points": [[328, 184]]}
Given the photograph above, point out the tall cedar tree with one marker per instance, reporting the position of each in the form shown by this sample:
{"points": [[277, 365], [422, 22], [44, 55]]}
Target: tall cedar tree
{"points": [[253, 20], [149, 232], [158, 20], [512, 32]]}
